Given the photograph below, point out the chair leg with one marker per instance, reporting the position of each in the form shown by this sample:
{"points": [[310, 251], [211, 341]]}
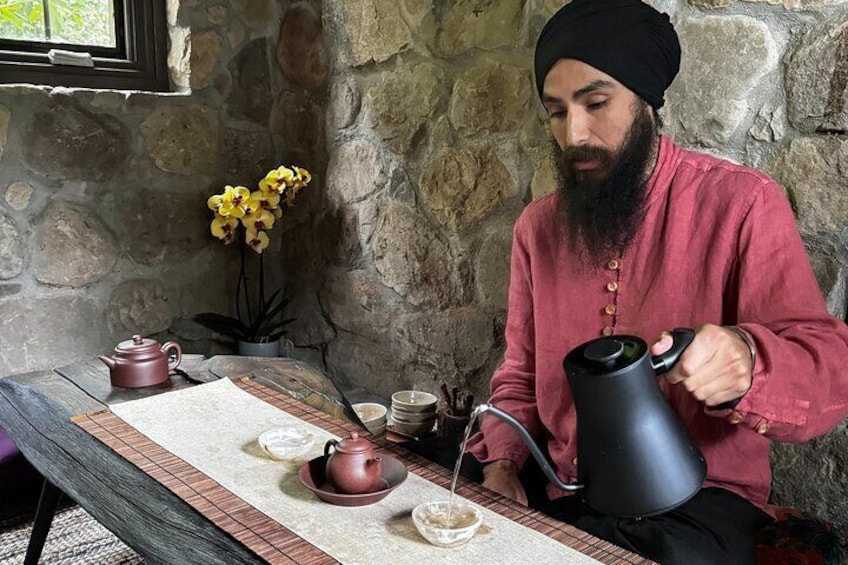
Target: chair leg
{"points": [[47, 504]]}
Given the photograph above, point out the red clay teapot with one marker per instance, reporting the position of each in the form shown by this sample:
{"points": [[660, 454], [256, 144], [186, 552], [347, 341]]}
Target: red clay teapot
{"points": [[142, 362], [353, 467]]}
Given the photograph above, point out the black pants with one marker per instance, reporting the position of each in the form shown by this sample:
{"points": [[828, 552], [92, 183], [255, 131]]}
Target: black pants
{"points": [[715, 527]]}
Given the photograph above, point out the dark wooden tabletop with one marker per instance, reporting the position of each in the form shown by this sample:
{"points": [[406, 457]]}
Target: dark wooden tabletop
{"points": [[36, 408]]}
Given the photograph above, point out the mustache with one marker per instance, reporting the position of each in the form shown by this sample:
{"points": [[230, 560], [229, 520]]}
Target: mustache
{"points": [[572, 154]]}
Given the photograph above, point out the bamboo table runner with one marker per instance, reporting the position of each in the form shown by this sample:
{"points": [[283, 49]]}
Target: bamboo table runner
{"points": [[200, 444]]}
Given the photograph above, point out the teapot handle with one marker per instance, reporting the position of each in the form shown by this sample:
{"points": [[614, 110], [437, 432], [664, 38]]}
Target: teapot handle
{"points": [[330, 443], [178, 356], [681, 337]]}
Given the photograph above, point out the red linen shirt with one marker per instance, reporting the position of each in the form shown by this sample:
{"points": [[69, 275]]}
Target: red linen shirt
{"points": [[718, 245]]}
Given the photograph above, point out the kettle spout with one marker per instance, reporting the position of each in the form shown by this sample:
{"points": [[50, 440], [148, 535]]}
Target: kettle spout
{"points": [[110, 362], [534, 449]]}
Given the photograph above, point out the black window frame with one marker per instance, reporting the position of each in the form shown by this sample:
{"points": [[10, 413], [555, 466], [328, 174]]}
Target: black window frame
{"points": [[138, 62]]}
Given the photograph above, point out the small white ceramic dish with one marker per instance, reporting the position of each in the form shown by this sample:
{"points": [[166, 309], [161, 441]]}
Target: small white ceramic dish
{"points": [[430, 520], [370, 412], [417, 429], [414, 401], [399, 415], [285, 443]]}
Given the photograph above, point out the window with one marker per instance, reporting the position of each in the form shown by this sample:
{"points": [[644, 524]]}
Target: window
{"points": [[116, 44]]}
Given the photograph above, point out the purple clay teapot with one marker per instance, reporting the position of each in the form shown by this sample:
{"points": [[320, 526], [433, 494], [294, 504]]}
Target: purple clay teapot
{"points": [[142, 362], [353, 467]]}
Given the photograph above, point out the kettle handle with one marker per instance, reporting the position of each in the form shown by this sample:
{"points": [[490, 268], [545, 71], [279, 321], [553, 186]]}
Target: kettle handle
{"points": [[330, 443], [178, 356], [681, 337], [662, 363]]}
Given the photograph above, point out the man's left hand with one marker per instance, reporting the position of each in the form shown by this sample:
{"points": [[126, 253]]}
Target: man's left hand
{"points": [[715, 368]]}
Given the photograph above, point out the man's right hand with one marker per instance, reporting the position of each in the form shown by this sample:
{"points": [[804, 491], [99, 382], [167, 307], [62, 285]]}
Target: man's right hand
{"points": [[502, 477]]}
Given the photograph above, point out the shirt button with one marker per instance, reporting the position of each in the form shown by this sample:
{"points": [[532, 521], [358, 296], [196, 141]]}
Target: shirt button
{"points": [[736, 417], [610, 309], [762, 427], [612, 286], [607, 331], [613, 264], [574, 461]]}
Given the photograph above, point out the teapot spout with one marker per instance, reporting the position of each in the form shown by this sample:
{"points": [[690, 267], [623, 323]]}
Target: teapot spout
{"points": [[110, 362], [534, 449]]}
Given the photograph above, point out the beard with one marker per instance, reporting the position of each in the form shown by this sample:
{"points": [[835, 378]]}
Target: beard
{"points": [[601, 209]]}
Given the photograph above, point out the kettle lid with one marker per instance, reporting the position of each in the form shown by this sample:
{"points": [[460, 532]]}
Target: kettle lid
{"points": [[355, 444], [605, 355], [137, 345]]}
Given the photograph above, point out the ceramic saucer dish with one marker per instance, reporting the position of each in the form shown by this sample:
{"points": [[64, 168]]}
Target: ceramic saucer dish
{"points": [[286, 442], [313, 476]]}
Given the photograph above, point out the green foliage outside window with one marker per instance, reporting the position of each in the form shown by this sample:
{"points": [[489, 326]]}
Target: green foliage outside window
{"points": [[78, 22]]}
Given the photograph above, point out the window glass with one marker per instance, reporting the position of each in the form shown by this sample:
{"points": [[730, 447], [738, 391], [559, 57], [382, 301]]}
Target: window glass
{"points": [[75, 22]]}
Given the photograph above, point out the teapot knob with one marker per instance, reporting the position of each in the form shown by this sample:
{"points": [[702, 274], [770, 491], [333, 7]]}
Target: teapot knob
{"points": [[137, 340]]}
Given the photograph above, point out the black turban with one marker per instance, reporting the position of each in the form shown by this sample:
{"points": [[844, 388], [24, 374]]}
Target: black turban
{"points": [[626, 39]]}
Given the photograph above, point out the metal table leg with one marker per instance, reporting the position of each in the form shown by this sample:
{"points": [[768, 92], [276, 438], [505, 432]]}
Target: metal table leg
{"points": [[47, 504]]}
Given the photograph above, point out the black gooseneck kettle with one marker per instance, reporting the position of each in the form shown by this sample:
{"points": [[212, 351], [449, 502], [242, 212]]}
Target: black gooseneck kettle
{"points": [[634, 457]]}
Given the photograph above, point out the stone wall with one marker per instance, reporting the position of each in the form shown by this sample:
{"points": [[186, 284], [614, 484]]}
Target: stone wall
{"points": [[436, 142], [104, 230]]}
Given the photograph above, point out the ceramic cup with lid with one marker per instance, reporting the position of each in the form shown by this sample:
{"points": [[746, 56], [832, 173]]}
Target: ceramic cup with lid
{"points": [[140, 362]]}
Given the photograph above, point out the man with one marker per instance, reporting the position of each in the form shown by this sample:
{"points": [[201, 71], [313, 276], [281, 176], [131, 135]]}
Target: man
{"points": [[643, 236]]}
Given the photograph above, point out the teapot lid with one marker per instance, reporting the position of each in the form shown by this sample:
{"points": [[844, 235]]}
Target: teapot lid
{"points": [[354, 444], [137, 344], [605, 355]]}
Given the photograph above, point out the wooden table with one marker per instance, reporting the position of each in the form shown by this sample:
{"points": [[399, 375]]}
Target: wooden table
{"points": [[36, 410]]}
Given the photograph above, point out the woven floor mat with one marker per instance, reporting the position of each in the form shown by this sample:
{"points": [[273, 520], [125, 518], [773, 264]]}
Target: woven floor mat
{"points": [[75, 537], [274, 542]]}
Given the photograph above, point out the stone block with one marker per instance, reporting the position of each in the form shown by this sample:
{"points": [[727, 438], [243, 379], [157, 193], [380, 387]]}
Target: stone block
{"points": [[183, 140], [11, 249], [5, 116], [257, 14], [140, 306], [462, 25], [345, 100], [402, 101], [302, 52], [459, 338], [490, 97], [413, 258], [205, 56], [464, 184], [373, 29], [491, 268], [250, 94], [724, 59], [53, 331], [355, 172], [817, 78], [70, 247], [809, 168], [64, 142]]}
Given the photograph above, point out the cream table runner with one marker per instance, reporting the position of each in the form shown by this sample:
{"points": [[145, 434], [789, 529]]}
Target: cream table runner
{"points": [[214, 427]]}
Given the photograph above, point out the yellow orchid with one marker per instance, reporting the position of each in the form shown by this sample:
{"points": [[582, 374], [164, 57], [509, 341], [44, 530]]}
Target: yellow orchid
{"points": [[252, 205], [301, 176], [269, 200], [224, 228], [277, 179], [258, 220], [258, 317], [257, 240], [233, 200], [214, 203]]}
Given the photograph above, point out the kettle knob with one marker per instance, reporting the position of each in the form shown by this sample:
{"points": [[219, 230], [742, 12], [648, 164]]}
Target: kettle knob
{"points": [[604, 352]]}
